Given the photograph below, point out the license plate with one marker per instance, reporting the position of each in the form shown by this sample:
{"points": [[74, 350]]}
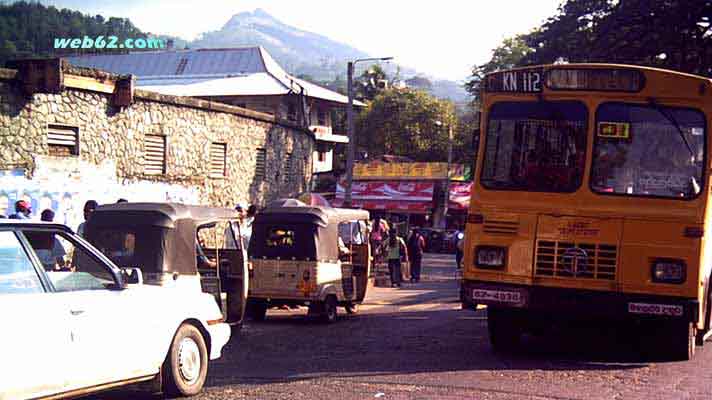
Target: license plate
{"points": [[501, 296], [655, 309]]}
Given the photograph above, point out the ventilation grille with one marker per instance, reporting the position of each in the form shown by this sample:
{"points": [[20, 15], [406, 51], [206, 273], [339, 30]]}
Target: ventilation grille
{"points": [[289, 168], [576, 260], [154, 155], [501, 227], [218, 153], [63, 140], [260, 159]]}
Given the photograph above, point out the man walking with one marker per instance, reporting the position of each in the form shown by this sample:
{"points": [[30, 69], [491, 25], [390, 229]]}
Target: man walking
{"points": [[396, 251], [416, 248]]}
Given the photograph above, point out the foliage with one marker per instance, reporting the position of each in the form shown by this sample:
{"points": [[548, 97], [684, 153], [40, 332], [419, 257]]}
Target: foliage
{"points": [[370, 83], [29, 29], [672, 34], [508, 55], [403, 122]]}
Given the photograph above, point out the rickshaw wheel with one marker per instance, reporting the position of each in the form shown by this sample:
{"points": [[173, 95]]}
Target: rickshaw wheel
{"points": [[257, 311], [351, 308], [329, 312], [186, 364]]}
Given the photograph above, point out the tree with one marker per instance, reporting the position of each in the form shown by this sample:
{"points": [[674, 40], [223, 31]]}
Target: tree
{"points": [[508, 55], [673, 34], [370, 83], [404, 122]]}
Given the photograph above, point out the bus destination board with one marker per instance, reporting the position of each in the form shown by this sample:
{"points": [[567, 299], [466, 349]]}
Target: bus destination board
{"points": [[516, 81]]}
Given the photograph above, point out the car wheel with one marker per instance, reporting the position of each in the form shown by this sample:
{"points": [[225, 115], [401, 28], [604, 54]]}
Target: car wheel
{"points": [[186, 364], [329, 312], [351, 308]]}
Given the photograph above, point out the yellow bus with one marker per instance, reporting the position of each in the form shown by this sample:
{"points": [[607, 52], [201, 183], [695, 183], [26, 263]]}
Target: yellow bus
{"points": [[591, 200]]}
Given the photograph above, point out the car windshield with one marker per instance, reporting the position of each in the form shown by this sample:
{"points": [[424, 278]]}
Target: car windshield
{"points": [[535, 146], [648, 150]]}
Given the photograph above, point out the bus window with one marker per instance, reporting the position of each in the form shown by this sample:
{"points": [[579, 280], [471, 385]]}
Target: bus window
{"points": [[535, 146], [648, 150]]}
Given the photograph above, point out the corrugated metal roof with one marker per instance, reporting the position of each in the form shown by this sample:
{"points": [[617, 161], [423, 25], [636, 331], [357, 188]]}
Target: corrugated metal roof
{"points": [[245, 60], [207, 72]]}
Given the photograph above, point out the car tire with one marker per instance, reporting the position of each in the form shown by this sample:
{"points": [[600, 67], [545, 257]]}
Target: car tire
{"points": [[329, 312], [505, 329], [186, 364], [351, 308]]}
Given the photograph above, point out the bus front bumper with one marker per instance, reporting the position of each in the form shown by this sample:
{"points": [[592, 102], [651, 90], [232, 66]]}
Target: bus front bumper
{"points": [[576, 302]]}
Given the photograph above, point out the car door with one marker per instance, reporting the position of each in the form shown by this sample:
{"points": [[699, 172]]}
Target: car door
{"points": [[35, 339], [103, 318]]}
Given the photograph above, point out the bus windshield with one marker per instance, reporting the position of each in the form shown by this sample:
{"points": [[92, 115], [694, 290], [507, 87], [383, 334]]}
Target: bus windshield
{"points": [[648, 150], [535, 146]]}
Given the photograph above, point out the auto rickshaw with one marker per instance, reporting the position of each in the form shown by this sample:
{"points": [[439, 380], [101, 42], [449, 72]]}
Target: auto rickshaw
{"points": [[189, 247], [312, 256]]}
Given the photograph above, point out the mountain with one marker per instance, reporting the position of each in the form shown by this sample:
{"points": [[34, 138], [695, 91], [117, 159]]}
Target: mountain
{"points": [[305, 53]]}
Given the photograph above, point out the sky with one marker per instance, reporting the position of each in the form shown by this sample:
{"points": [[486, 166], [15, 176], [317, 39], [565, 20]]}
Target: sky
{"points": [[443, 38]]}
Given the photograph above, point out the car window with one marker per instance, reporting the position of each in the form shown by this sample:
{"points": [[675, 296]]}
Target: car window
{"points": [[17, 274], [69, 266]]}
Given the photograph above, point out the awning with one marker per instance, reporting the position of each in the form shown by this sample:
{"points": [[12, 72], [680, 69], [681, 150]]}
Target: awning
{"points": [[389, 195]]}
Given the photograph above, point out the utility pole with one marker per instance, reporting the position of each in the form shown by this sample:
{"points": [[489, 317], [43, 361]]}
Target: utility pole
{"points": [[447, 181]]}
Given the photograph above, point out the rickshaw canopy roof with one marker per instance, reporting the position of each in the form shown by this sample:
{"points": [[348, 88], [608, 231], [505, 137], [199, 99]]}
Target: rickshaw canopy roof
{"points": [[165, 233]]}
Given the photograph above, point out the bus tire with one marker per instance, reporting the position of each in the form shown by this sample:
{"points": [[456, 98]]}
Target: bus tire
{"points": [[505, 329], [684, 340]]}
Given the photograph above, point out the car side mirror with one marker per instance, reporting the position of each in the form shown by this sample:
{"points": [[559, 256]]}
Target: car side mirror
{"points": [[132, 276]]}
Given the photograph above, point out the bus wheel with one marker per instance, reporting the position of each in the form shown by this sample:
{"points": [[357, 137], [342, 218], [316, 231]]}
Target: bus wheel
{"points": [[684, 337], [504, 328]]}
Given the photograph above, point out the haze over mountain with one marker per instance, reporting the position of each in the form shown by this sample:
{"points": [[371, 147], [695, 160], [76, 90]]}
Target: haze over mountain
{"points": [[303, 52]]}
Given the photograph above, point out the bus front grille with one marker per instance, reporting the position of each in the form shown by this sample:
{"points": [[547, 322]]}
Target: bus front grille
{"points": [[501, 227], [576, 260]]}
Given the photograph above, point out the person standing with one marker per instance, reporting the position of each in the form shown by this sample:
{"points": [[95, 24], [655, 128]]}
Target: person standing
{"points": [[396, 251], [460, 237], [89, 208], [416, 248], [22, 210]]}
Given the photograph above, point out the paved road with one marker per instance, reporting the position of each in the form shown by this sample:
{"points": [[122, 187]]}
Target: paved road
{"points": [[416, 343]]}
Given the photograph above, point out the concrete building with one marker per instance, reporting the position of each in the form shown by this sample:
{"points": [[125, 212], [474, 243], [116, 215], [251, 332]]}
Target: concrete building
{"points": [[245, 77], [68, 135]]}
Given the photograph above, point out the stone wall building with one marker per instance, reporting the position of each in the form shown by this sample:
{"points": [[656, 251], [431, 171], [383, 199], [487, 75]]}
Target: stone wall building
{"points": [[68, 135]]}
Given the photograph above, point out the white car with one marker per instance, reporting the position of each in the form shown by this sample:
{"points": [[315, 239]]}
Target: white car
{"points": [[73, 323]]}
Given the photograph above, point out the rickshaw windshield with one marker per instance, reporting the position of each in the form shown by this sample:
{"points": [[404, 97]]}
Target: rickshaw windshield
{"points": [[127, 247], [285, 241]]}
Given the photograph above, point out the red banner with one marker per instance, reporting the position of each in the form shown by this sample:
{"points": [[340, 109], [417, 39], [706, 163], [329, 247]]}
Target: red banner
{"points": [[460, 195], [389, 190]]}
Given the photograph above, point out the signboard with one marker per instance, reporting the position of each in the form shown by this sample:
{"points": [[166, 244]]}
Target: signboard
{"points": [[516, 81], [414, 170]]}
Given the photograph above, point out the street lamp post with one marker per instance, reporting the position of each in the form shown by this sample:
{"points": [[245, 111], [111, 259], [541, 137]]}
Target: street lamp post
{"points": [[446, 192], [351, 146]]}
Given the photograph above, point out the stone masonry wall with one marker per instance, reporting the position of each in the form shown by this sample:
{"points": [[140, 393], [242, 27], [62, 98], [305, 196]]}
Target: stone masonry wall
{"points": [[108, 133]]}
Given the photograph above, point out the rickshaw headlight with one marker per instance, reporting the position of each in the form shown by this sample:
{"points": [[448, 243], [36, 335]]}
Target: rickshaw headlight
{"points": [[490, 257], [666, 270]]}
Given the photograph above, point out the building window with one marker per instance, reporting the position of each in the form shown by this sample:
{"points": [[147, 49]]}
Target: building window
{"points": [[218, 154], [63, 140], [154, 155], [321, 117], [260, 164], [289, 168]]}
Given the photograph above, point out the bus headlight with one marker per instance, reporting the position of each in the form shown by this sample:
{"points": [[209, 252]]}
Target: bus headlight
{"points": [[667, 270], [490, 257]]}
